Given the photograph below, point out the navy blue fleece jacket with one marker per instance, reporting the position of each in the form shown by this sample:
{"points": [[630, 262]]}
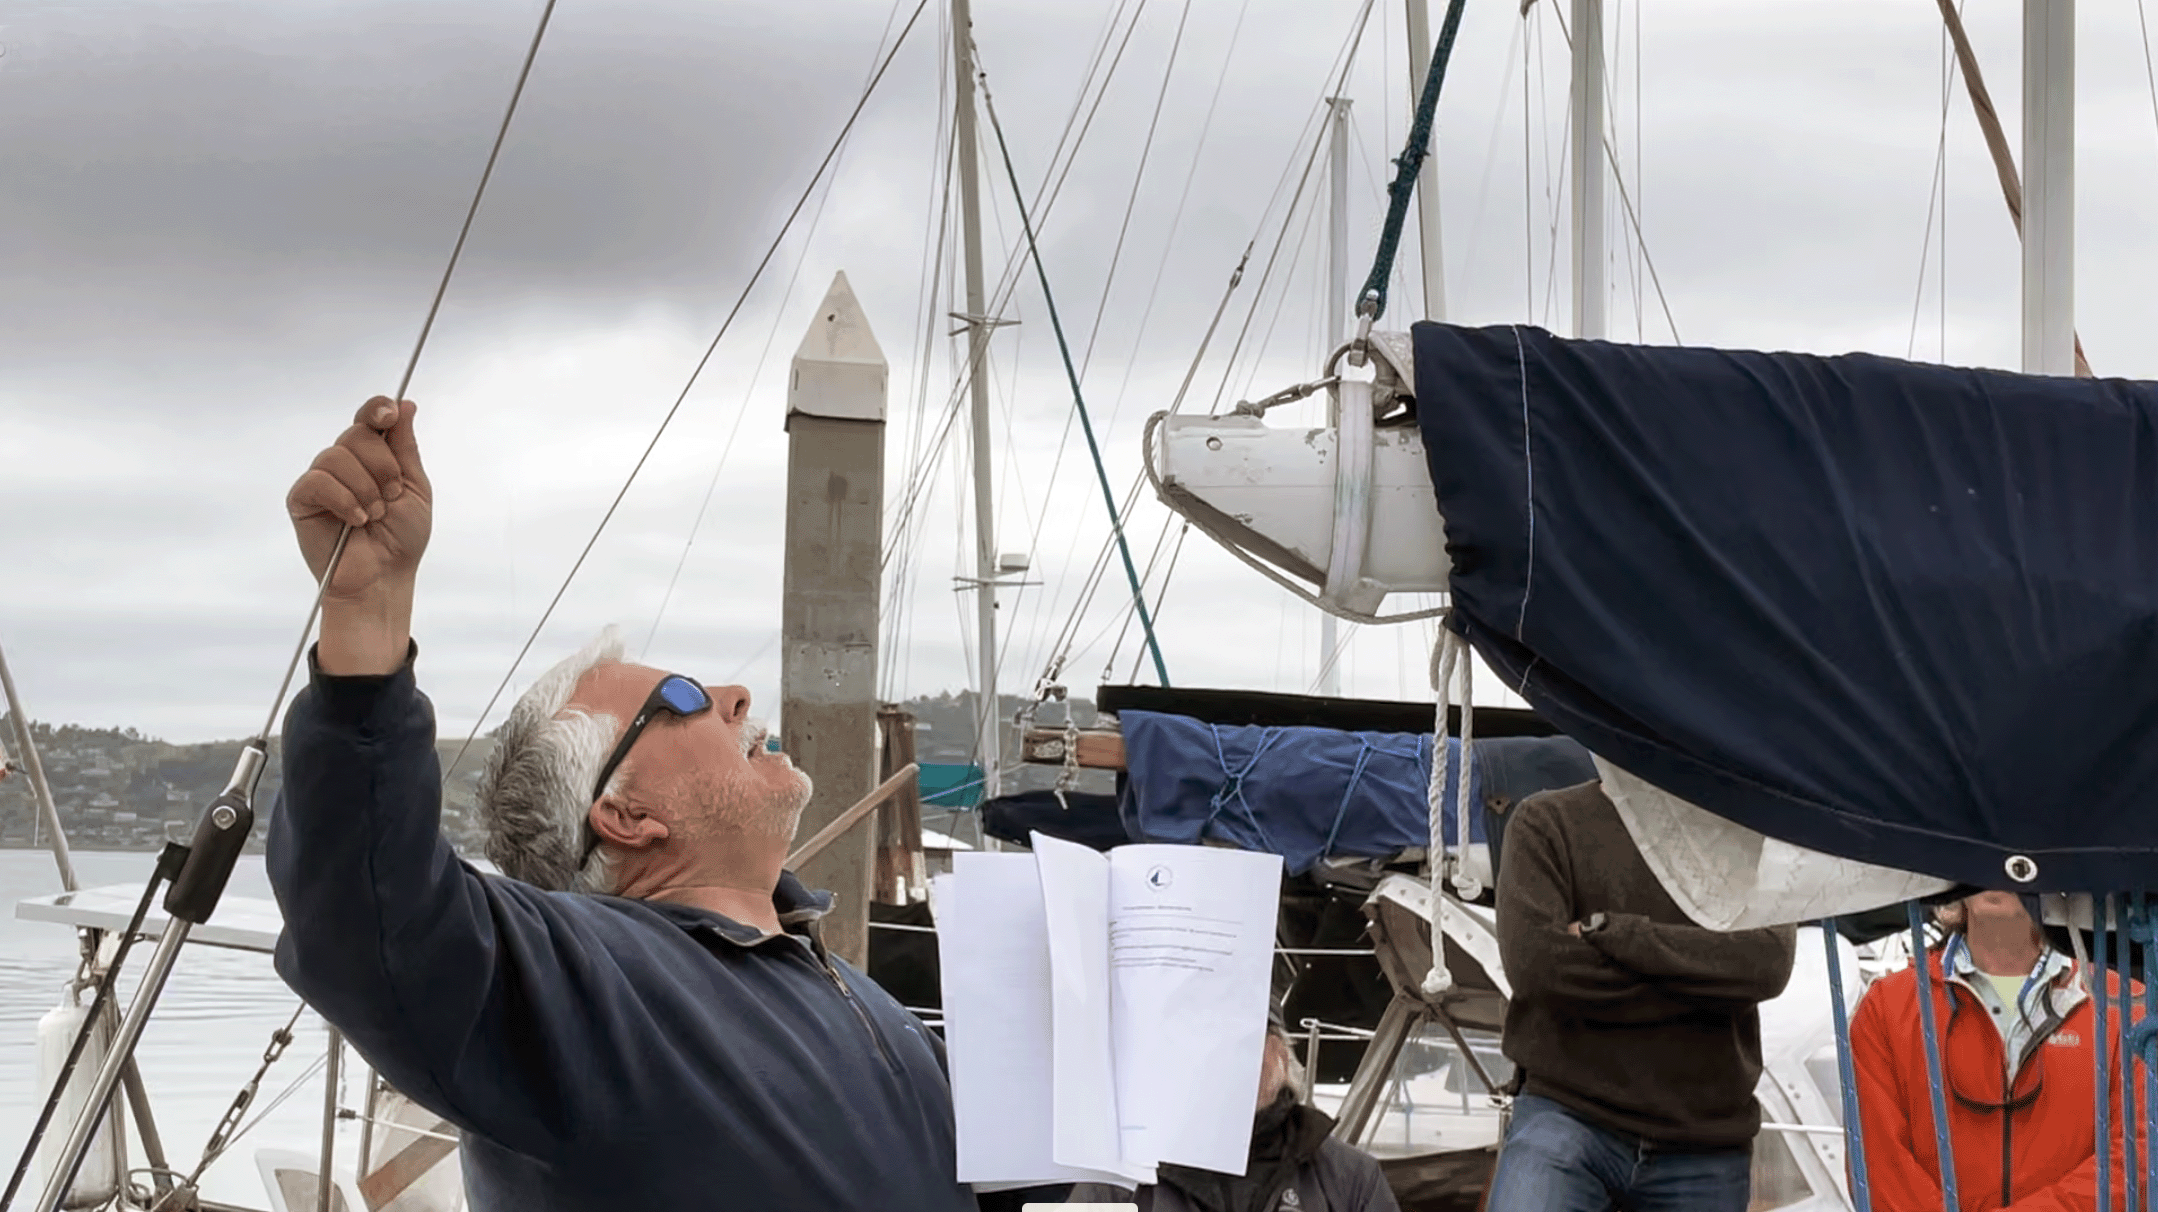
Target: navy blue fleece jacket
{"points": [[596, 1052]]}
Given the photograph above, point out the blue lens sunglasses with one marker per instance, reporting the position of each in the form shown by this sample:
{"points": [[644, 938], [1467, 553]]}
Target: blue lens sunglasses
{"points": [[675, 695]]}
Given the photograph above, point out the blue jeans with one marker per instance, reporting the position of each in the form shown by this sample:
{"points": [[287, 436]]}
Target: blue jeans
{"points": [[1555, 1161]]}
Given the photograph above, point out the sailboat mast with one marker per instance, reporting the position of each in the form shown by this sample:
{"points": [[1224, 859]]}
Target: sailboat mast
{"points": [[967, 155], [1427, 177], [1587, 112], [1337, 318], [2049, 187]]}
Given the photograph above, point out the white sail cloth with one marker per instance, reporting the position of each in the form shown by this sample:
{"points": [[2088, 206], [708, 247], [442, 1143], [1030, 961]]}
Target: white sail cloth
{"points": [[1728, 877]]}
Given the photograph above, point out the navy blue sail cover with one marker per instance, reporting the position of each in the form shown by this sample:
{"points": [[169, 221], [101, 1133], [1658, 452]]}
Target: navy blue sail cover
{"points": [[1302, 793], [1899, 613]]}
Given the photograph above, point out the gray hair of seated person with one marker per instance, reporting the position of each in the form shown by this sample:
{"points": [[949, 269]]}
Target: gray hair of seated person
{"points": [[1292, 1070], [535, 796]]}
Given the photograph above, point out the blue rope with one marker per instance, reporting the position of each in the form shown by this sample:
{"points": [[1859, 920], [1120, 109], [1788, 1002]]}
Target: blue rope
{"points": [[2131, 1192], [1943, 1149], [1356, 775], [1108, 495], [1853, 1138], [1372, 303], [2101, 997], [2140, 918], [1232, 786]]}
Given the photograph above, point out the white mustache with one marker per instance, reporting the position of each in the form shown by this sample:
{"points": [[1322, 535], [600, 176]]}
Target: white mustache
{"points": [[754, 734]]}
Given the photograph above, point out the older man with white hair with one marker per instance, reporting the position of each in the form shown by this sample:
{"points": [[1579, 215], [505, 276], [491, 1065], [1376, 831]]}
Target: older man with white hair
{"points": [[643, 1017]]}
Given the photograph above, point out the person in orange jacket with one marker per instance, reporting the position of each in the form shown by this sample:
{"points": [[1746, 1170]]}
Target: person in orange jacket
{"points": [[2017, 1029]]}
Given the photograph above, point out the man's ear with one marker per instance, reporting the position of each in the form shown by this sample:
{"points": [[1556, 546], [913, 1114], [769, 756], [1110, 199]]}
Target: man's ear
{"points": [[625, 825]]}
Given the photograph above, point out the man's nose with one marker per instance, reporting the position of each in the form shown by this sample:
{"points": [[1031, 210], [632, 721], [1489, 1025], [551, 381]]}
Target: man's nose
{"points": [[731, 702]]}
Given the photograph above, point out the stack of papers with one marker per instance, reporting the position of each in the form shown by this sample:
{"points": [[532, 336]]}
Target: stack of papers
{"points": [[1105, 1014]]}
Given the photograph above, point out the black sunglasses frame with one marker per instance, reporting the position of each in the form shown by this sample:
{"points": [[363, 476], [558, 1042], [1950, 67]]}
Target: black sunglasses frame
{"points": [[654, 704]]}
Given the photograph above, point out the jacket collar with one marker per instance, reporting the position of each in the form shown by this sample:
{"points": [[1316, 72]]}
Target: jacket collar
{"points": [[2052, 974], [801, 913]]}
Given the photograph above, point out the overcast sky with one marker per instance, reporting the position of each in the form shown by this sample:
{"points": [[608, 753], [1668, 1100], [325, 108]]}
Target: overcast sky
{"points": [[220, 223]]}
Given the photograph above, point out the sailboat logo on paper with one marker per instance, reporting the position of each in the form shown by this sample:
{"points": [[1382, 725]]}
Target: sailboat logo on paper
{"points": [[1159, 878]]}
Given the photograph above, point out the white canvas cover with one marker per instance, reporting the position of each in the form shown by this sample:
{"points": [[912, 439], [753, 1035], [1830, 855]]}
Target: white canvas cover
{"points": [[1728, 877]]}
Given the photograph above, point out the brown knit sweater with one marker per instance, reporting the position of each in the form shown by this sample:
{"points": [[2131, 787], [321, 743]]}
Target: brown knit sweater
{"points": [[1648, 1025]]}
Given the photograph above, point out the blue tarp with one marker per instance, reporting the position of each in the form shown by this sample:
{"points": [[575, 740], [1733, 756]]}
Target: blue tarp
{"points": [[1900, 613], [1301, 793]]}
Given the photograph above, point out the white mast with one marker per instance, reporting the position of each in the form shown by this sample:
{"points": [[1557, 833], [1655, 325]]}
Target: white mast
{"points": [[1427, 178], [2049, 186], [1588, 167], [1337, 313], [986, 729]]}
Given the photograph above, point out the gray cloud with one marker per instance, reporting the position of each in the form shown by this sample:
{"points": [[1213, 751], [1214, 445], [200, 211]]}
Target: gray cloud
{"points": [[220, 223]]}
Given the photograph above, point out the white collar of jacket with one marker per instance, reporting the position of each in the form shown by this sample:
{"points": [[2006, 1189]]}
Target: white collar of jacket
{"points": [[2048, 978]]}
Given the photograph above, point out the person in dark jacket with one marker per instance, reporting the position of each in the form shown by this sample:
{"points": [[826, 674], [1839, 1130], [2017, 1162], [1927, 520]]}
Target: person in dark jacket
{"points": [[671, 1034], [1635, 1034], [1296, 1164]]}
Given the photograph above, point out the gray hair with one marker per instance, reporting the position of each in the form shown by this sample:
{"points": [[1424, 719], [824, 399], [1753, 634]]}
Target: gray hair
{"points": [[534, 796]]}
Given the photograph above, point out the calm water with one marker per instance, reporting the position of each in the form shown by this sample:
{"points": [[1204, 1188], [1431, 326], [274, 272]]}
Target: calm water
{"points": [[205, 1040]]}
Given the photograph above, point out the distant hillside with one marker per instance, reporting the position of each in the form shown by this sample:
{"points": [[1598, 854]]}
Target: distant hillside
{"points": [[120, 790]]}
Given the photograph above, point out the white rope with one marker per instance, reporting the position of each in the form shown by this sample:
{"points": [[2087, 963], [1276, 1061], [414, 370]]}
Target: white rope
{"points": [[1466, 885], [1443, 655], [1447, 658]]}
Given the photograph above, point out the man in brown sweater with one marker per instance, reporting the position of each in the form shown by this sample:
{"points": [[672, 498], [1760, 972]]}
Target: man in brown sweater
{"points": [[1635, 1034]]}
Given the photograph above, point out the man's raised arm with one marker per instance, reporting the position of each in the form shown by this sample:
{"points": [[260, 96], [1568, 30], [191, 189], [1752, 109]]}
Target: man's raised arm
{"points": [[387, 934]]}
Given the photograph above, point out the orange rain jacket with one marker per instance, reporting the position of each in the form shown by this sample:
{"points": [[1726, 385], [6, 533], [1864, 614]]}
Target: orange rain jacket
{"points": [[2025, 1145]]}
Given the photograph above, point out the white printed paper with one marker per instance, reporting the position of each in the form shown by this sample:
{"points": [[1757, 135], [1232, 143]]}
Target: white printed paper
{"points": [[992, 949], [1105, 1014], [1191, 944]]}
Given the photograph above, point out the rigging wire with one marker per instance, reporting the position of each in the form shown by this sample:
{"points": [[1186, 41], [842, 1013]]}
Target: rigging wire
{"points": [[2150, 74], [1936, 201], [434, 308], [1086, 423], [1328, 660], [1131, 204], [1146, 313], [1061, 651], [898, 587], [1640, 165], [1009, 281], [1618, 178], [757, 372], [755, 275], [1163, 594], [1528, 173], [1311, 161], [1138, 177], [1334, 82], [1045, 200]]}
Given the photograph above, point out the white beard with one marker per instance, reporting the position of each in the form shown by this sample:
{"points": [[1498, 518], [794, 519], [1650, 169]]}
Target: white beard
{"points": [[743, 804]]}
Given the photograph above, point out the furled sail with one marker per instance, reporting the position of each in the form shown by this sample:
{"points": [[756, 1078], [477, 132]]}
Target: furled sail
{"points": [[1895, 613]]}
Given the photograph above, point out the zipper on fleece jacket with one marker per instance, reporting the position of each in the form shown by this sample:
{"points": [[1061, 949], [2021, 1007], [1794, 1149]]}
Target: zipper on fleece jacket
{"points": [[2040, 1033], [860, 1012]]}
